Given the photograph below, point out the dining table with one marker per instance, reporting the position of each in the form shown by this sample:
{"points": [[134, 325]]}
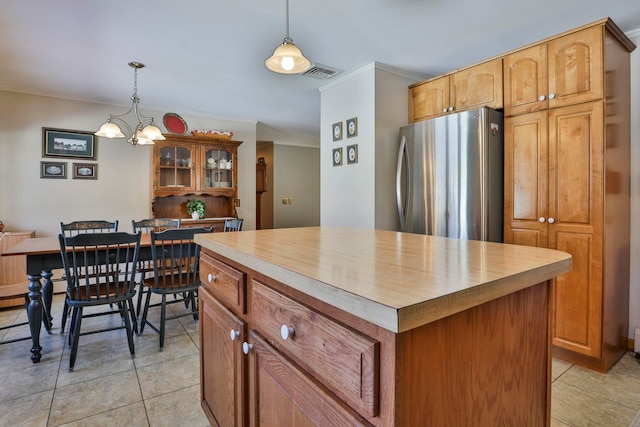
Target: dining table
{"points": [[43, 256]]}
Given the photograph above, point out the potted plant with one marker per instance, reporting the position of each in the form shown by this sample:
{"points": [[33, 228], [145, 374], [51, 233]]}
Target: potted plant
{"points": [[196, 208]]}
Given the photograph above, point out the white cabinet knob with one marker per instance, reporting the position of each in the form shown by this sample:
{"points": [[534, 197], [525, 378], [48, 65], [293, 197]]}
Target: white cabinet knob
{"points": [[246, 347], [286, 332], [444, 110], [234, 334], [211, 277], [552, 95], [542, 98], [542, 219], [450, 108], [551, 220]]}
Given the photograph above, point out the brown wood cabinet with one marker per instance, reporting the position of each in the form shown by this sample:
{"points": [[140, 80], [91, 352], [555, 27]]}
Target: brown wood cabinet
{"points": [[567, 175], [187, 167], [473, 87], [12, 267], [565, 71]]}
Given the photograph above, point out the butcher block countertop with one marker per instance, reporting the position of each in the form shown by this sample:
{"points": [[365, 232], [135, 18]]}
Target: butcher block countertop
{"points": [[398, 281]]}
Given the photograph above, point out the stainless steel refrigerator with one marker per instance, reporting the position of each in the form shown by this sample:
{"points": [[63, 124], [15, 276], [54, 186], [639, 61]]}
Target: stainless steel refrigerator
{"points": [[449, 179]]}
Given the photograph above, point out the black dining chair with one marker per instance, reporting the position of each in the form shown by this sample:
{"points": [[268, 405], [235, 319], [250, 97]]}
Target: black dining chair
{"points": [[233, 224], [146, 267], [115, 254], [81, 227], [176, 259]]}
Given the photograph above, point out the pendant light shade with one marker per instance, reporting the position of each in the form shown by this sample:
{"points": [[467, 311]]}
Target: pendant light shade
{"points": [[287, 58]]}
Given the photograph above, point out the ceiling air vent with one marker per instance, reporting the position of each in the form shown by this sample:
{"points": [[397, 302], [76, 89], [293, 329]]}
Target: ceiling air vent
{"points": [[320, 72]]}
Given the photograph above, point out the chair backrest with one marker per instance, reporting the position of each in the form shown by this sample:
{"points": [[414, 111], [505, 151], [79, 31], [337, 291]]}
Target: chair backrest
{"points": [[234, 224], [176, 258], [115, 254], [154, 224], [81, 227]]}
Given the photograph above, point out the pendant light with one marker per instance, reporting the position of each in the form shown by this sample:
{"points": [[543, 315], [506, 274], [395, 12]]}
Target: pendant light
{"points": [[287, 58], [144, 132]]}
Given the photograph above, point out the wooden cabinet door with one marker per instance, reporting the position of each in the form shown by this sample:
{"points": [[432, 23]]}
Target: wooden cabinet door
{"points": [[222, 368], [478, 86], [175, 166], [576, 67], [526, 168], [429, 99], [280, 394], [525, 81], [576, 205], [218, 166]]}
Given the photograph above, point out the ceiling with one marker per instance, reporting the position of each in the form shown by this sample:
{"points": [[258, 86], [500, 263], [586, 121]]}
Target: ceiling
{"points": [[205, 57]]}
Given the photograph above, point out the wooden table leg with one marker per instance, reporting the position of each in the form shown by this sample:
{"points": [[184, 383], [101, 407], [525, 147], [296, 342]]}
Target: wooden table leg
{"points": [[34, 312]]}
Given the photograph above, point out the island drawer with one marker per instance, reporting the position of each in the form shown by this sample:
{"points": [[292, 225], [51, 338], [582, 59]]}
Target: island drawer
{"points": [[223, 281], [344, 360]]}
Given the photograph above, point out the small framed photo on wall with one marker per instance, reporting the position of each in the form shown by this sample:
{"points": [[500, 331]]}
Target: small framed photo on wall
{"points": [[352, 127], [53, 170], [85, 171], [336, 130], [337, 156], [352, 154]]}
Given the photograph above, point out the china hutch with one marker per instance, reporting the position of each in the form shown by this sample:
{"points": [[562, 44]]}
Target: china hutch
{"points": [[190, 167]]}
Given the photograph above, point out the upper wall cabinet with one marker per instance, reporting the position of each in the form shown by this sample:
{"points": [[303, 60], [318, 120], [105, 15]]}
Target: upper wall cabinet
{"points": [[473, 87], [565, 71]]}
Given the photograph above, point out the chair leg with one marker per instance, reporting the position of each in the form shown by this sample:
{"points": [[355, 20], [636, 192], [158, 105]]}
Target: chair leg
{"points": [[163, 318], [132, 313], [127, 313], [194, 305], [75, 322], [143, 321], [140, 292], [65, 314], [73, 325]]}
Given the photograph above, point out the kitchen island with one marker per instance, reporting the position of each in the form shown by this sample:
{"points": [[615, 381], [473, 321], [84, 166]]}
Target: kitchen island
{"points": [[345, 326]]}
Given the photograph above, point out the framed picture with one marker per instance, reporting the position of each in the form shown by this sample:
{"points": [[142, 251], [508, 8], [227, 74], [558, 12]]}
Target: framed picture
{"points": [[352, 127], [352, 154], [53, 170], [336, 129], [337, 156], [68, 143], [85, 171]]}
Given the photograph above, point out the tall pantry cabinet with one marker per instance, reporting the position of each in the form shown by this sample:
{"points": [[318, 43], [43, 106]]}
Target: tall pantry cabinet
{"points": [[567, 173]]}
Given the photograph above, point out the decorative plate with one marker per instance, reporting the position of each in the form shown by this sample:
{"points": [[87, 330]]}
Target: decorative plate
{"points": [[175, 124]]}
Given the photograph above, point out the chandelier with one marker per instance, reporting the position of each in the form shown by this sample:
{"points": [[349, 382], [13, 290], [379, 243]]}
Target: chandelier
{"points": [[144, 132], [287, 58]]}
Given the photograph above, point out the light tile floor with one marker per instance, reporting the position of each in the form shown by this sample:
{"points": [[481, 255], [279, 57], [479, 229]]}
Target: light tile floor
{"points": [[109, 388]]}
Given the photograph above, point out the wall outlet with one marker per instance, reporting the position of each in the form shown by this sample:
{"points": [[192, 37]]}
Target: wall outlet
{"points": [[285, 201], [290, 201]]}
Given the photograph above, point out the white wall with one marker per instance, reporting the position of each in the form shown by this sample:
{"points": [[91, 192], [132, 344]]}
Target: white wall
{"points": [[122, 190], [363, 194], [634, 291], [347, 191]]}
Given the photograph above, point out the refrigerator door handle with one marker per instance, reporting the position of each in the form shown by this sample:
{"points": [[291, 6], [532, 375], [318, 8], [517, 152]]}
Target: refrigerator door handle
{"points": [[403, 160]]}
